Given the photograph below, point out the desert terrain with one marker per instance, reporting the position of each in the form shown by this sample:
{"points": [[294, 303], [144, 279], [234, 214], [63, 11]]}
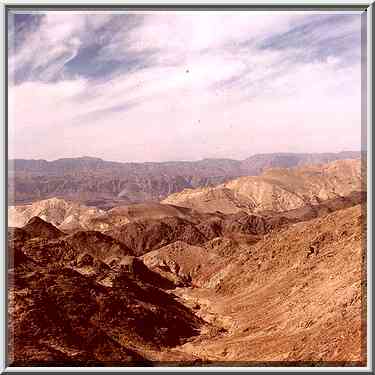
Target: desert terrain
{"points": [[105, 184], [254, 263]]}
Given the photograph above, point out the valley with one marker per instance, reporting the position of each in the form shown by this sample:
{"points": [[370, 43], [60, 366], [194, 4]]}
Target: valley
{"points": [[260, 270]]}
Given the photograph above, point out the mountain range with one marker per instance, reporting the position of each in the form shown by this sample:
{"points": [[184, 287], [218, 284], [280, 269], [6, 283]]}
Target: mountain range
{"points": [[275, 190], [106, 184], [258, 270]]}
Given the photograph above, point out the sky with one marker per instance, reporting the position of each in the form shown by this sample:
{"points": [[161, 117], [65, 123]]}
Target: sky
{"points": [[159, 86]]}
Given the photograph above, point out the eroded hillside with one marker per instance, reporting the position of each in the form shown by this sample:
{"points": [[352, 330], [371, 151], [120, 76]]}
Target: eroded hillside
{"points": [[282, 283], [276, 190]]}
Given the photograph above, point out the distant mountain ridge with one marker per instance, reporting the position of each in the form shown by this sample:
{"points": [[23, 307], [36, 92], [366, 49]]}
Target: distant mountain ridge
{"points": [[105, 184]]}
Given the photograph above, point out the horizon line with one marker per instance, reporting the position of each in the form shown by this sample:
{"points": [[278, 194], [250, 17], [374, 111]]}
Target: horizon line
{"points": [[185, 161]]}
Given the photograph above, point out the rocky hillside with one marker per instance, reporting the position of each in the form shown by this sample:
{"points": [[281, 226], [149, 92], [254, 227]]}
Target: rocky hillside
{"points": [[276, 190], [105, 184], [296, 297], [259, 270], [74, 302], [148, 226], [237, 288], [71, 216], [59, 212]]}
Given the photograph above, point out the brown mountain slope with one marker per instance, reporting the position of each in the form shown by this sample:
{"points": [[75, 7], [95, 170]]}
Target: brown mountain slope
{"points": [[154, 210], [98, 245], [143, 235], [66, 317], [71, 305], [149, 234], [37, 227], [179, 262], [313, 211], [294, 296], [276, 190]]}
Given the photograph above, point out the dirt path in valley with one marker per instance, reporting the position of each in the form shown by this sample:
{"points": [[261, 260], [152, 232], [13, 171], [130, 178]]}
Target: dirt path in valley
{"points": [[216, 326]]}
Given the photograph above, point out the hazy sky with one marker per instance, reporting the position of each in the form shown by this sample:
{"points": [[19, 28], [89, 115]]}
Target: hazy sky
{"points": [[162, 86]]}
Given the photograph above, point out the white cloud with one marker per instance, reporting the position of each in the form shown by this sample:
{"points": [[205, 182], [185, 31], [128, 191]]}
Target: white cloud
{"points": [[210, 91]]}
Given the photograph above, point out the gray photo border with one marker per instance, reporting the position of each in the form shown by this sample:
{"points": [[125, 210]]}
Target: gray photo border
{"points": [[367, 84]]}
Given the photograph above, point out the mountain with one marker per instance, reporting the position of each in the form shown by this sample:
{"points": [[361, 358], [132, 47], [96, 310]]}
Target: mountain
{"points": [[37, 227], [256, 164], [72, 303], [245, 207], [106, 184], [71, 216], [128, 231], [147, 234], [273, 273], [277, 189], [59, 212], [230, 236], [293, 294], [294, 298]]}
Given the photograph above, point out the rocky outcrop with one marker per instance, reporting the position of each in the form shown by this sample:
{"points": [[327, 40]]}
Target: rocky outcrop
{"points": [[145, 235], [59, 212], [36, 227]]}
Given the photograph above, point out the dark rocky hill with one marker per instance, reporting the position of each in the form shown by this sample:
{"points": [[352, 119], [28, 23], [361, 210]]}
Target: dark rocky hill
{"points": [[292, 288]]}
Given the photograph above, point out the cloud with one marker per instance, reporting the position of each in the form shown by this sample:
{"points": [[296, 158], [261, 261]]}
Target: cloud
{"points": [[184, 85]]}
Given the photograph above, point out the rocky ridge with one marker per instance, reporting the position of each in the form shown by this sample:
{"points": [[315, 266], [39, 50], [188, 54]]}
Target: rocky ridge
{"points": [[276, 190], [105, 184], [156, 284]]}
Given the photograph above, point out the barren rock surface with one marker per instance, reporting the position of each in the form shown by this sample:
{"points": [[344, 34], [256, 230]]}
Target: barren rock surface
{"points": [[276, 189], [154, 284], [281, 302]]}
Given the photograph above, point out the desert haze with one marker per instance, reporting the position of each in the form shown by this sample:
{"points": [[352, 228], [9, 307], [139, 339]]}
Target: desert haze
{"points": [[256, 270], [106, 184]]}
